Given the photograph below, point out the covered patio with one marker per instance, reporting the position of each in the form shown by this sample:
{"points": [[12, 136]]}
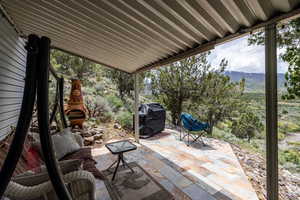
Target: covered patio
{"points": [[134, 36], [187, 172]]}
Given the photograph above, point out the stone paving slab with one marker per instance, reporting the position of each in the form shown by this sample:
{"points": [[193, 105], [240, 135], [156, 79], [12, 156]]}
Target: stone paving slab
{"points": [[188, 172]]}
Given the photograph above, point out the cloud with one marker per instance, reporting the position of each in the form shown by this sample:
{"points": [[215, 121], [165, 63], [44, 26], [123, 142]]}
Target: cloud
{"points": [[244, 58]]}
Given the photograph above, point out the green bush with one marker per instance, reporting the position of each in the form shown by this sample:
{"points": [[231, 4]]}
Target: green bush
{"points": [[99, 108], [98, 78], [99, 87], [296, 143], [224, 135], [247, 125], [253, 146], [291, 155], [125, 119], [221, 125], [115, 102], [288, 127], [106, 117], [281, 135], [87, 91], [104, 109]]}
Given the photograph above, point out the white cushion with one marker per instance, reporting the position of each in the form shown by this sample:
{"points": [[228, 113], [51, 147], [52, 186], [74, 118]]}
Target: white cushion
{"points": [[64, 143]]}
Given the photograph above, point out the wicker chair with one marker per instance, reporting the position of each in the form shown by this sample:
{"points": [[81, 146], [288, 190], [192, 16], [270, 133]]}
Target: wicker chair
{"points": [[28, 186], [81, 185]]}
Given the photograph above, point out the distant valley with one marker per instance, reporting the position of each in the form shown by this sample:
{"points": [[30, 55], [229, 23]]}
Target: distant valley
{"points": [[255, 82]]}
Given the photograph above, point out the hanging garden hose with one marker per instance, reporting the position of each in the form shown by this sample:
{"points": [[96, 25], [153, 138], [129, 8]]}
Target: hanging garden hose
{"points": [[25, 116], [61, 102], [43, 121], [55, 104], [59, 98]]}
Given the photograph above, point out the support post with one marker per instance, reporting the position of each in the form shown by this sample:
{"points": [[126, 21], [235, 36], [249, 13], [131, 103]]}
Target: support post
{"points": [[136, 108], [271, 111]]}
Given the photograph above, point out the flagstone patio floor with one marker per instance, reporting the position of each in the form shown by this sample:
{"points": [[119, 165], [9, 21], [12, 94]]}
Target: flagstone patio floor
{"points": [[188, 172]]}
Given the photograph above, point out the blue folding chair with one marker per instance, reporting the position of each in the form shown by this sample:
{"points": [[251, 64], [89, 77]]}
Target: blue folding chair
{"points": [[195, 129]]}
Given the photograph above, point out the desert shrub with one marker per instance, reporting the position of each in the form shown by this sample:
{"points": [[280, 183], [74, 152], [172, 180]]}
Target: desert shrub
{"points": [[99, 108], [125, 119], [99, 88], [224, 135], [246, 125], [221, 125], [296, 143], [281, 135], [98, 78], [128, 103], [105, 117], [287, 126], [291, 156], [169, 119], [254, 145], [87, 91], [115, 102]]}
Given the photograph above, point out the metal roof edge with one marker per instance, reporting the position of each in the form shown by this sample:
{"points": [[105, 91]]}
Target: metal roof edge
{"points": [[97, 62], [211, 44], [189, 52]]}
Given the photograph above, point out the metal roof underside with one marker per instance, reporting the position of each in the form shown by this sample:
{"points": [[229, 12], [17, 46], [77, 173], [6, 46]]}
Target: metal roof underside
{"points": [[134, 35]]}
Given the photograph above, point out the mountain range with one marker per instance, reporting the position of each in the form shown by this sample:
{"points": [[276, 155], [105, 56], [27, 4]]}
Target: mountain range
{"points": [[255, 82]]}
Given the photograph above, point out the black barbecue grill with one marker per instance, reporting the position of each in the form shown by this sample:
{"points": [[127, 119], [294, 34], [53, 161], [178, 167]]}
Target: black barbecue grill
{"points": [[152, 119]]}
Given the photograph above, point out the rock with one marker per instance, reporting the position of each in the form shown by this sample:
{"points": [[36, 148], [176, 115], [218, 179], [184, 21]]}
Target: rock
{"points": [[117, 126], [254, 166], [76, 130], [88, 141], [122, 134], [86, 134], [100, 130], [98, 136], [77, 133], [99, 141], [93, 132]]}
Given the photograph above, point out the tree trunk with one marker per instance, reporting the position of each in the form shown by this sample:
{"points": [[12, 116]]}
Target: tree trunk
{"points": [[210, 129], [174, 118], [211, 125], [121, 94]]}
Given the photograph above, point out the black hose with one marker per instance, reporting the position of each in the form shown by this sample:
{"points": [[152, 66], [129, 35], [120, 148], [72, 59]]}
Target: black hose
{"points": [[61, 102], [53, 114], [25, 116], [43, 120]]}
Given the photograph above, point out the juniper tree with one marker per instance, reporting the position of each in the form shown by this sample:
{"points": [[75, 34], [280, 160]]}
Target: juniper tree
{"points": [[247, 125], [288, 38], [219, 97], [123, 81], [174, 84]]}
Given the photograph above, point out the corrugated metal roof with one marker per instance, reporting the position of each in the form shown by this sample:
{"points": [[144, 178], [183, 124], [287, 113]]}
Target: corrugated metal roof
{"points": [[137, 34]]}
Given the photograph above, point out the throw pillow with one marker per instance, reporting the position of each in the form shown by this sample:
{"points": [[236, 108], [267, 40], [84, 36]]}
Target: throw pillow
{"points": [[33, 158], [64, 143]]}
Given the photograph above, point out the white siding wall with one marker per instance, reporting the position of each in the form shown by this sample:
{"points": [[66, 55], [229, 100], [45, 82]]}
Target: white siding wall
{"points": [[12, 73]]}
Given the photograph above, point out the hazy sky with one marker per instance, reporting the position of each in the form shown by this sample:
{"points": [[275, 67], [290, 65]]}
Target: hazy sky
{"points": [[242, 57]]}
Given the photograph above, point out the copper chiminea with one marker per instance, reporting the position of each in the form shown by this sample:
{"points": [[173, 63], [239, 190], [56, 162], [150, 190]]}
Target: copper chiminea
{"points": [[76, 111]]}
